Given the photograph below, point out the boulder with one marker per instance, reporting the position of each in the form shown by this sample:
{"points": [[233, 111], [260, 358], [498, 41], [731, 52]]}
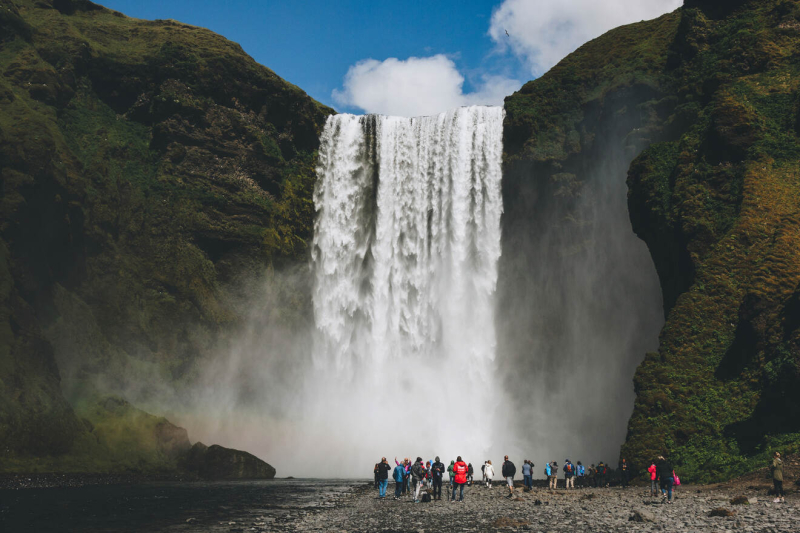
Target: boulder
{"points": [[642, 516], [217, 462]]}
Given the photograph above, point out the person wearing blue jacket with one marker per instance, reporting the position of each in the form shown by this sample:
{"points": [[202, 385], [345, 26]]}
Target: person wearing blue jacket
{"points": [[581, 474], [569, 474], [527, 474], [552, 475], [399, 476]]}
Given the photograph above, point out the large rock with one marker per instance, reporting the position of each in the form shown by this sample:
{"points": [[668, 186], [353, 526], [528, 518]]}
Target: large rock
{"points": [[216, 462]]}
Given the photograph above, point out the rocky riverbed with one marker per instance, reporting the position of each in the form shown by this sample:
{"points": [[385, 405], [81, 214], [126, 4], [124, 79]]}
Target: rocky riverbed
{"points": [[608, 509], [353, 506]]}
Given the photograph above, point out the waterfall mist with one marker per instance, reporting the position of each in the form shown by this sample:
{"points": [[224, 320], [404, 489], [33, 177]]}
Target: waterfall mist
{"points": [[408, 285], [579, 306], [400, 358]]}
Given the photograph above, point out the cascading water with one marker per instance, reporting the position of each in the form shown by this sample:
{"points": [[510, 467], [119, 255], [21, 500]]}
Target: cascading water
{"points": [[405, 252]]}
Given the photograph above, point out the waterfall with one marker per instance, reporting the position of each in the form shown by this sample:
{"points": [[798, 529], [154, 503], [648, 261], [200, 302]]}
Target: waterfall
{"points": [[405, 252]]}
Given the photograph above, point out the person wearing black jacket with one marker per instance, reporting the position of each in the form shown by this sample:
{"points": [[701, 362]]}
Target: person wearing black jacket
{"points": [[624, 473], [418, 477], [382, 476], [509, 470], [437, 473], [664, 473]]}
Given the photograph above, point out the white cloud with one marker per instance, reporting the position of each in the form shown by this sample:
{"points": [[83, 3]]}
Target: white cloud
{"points": [[542, 32], [416, 86]]}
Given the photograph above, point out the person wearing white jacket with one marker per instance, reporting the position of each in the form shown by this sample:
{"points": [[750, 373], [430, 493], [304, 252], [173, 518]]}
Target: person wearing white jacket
{"points": [[488, 473]]}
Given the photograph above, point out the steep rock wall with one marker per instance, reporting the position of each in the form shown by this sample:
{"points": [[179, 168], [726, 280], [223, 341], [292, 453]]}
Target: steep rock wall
{"points": [[706, 99], [148, 168]]}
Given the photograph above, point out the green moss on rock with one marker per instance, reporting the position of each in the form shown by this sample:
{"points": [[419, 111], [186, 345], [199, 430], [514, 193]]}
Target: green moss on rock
{"points": [[147, 167], [711, 97]]}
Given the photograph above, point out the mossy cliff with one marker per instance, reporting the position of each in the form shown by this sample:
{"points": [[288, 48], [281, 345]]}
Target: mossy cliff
{"points": [[706, 99], [147, 168]]}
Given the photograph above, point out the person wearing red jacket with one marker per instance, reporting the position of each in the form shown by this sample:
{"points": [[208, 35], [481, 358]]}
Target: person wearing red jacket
{"points": [[460, 470], [653, 485]]}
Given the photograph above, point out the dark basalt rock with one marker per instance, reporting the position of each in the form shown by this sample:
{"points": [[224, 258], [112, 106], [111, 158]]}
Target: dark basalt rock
{"points": [[216, 462]]}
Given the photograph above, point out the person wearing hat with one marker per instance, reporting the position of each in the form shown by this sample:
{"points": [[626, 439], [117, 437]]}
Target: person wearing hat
{"points": [[777, 478], [437, 473]]}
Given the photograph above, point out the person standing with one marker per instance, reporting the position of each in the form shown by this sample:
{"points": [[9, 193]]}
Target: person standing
{"points": [[399, 476], [777, 478], [405, 465], [624, 473], [581, 475], [437, 473], [382, 475], [417, 477], [527, 474], [569, 474], [470, 473], [601, 474], [451, 474], [653, 486], [553, 476], [488, 473], [509, 471], [428, 481], [460, 470], [483, 472], [593, 475], [375, 474], [665, 479]]}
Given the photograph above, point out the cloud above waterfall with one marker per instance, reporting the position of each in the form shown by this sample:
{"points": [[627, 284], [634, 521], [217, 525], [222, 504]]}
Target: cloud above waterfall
{"points": [[542, 32], [417, 86]]}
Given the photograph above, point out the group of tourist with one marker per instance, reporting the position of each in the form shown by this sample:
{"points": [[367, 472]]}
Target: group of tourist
{"points": [[414, 478]]}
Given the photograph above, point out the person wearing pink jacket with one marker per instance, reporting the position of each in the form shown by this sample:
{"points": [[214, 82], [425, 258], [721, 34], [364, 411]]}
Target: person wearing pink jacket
{"points": [[653, 486]]}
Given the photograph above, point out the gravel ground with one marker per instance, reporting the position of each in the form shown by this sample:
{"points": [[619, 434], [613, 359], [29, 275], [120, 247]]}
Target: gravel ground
{"points": [[609, 509]]}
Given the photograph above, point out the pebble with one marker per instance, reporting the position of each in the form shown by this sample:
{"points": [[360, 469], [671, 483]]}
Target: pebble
{"points": [[608, 509]]}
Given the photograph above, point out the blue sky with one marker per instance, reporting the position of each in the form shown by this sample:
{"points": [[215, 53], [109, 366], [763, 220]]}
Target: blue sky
{"points": [[463, 54]]}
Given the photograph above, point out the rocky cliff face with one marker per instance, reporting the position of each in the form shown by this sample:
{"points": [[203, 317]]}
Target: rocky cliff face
{"points": [[707, 100], [148, 168]]}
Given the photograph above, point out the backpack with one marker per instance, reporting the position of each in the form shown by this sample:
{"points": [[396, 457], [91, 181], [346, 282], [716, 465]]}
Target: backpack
{"points": [[568, 468], [426, 498]]}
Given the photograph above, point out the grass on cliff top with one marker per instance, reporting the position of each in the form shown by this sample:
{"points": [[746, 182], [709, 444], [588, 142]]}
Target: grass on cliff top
{"points": [[547, 111], [192, 50]]}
